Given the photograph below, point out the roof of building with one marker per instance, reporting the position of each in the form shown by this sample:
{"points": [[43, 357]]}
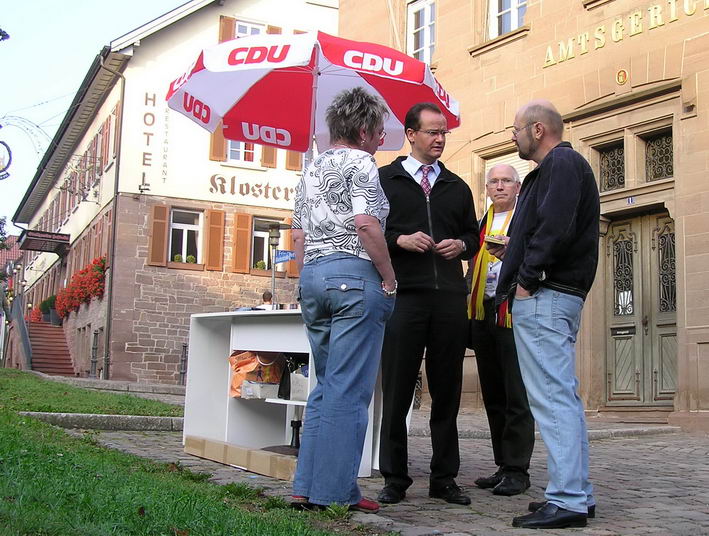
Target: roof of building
{"points": [[98, 82], [12, 254]]}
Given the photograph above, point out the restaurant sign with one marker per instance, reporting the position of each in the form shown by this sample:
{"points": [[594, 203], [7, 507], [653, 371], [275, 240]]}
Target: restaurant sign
{"points": [[637, 22], [33, 240]]}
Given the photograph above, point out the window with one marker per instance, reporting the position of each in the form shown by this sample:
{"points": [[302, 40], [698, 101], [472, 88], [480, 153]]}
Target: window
{"points": [[505, 16], [185, 237], [421, 36], [261, 251], [239, 151], [183, 232], [247, 28], [612, 167], [659, 156]]}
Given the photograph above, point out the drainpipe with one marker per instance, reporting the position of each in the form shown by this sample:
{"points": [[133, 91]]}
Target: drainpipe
{"points": [[109, 302]]}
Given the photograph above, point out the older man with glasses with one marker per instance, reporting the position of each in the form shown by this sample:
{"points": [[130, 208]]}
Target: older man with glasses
{"points": [[431, 228], [510, 420]]}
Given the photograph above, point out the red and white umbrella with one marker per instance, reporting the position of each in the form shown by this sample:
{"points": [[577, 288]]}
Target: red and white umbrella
{"points": [[274, 89]]}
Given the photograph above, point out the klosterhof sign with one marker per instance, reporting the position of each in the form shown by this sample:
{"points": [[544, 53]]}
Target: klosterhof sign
{"points": [[639, 21]]}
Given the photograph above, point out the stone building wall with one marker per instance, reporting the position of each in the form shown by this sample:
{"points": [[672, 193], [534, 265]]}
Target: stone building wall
{"points": [[152, 305]]}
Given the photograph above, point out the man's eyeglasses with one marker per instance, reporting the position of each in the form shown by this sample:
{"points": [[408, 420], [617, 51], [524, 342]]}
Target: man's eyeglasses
{"points": [[435, 133], [503, 182], [516, 130], [382, 136]]}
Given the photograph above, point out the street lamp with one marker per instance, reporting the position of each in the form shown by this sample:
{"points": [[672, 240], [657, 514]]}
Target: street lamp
{"points": [[274, 237]]}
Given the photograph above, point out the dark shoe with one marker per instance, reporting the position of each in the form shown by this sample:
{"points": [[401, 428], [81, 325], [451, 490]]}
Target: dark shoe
{"points": [[365, 506], [491, 481], [534, 506], [391, 495], [550, 516], [451, 494], [511, 485]]}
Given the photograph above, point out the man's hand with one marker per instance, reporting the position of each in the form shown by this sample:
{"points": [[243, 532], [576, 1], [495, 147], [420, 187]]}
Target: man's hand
{"points": [[498, 250], [417, 242], [449, 248], [522, 292]]}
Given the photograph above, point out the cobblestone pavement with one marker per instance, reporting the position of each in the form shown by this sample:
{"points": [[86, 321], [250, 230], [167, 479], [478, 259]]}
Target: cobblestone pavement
{"points": [[649, 484]]}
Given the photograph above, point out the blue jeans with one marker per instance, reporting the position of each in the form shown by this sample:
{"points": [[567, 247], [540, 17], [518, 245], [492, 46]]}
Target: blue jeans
{"points": [[545, 327], [344, 309]]}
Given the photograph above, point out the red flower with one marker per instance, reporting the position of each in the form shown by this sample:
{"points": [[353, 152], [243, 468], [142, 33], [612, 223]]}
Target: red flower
{"points": [[86, 284]]}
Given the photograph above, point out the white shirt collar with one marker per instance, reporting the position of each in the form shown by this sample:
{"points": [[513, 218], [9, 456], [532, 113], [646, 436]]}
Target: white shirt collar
{"points": [[413, 168]]}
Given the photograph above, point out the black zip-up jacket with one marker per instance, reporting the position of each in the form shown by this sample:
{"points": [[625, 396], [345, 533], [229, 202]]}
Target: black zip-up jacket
{"points": [[449, 213], [554, 232]]}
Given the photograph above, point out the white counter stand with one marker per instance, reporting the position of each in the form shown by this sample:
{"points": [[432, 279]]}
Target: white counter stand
{"points": [[210, 413]]}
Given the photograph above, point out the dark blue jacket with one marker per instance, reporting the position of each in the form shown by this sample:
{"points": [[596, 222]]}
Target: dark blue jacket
{"points": [[554, 232]]}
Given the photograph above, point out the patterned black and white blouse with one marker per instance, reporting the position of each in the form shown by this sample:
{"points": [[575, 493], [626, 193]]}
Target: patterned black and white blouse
{"points": [[339, 184]]}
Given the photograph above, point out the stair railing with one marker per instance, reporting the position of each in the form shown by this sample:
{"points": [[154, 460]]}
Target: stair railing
{"points": [[18, 318]]}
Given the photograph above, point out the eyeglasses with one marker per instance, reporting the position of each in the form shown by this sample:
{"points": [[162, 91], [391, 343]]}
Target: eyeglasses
{"points": [[435, 133], [516, 130], [503, 182], [382, 136]]}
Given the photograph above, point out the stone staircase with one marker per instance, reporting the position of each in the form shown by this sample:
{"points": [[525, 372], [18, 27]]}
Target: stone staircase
{"points": [[50, 353]]}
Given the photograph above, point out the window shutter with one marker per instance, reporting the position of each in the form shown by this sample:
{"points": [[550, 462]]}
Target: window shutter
{"points": [[227, 28], [241, 263], [117, 129], [291, 266], [294, 160], [268, 156], [214, 255], [157, 245], [273, 30], [217, 145]]}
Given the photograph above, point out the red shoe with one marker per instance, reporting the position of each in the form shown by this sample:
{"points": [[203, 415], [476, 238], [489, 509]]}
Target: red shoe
{"points": [[365, 506]]}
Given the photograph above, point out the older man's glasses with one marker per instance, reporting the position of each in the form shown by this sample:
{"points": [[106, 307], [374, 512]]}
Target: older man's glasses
{"points": [[517, 130], [502, 182]]}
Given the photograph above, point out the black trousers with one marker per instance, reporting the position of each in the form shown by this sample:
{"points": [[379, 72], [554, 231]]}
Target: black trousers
{"points": [[504, 395], [436, 322]]}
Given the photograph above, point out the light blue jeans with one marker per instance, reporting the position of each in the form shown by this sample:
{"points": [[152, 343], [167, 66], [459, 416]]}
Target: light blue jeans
{"points": [[545, 327], [345, 310]]}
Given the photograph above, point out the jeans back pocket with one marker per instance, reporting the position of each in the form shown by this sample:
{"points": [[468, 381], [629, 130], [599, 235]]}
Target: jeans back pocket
{"points": [[346, 295]]}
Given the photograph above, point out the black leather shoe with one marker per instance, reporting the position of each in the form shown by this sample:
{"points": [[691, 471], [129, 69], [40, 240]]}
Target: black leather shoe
{"points": [[491, 481], [390, 495], [534, 506], [550, 516], [511, 485], [451, 494]]}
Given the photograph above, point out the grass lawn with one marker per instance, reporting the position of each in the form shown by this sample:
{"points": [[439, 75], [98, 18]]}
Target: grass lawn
{"points": [[54, 484], [23, 391]]}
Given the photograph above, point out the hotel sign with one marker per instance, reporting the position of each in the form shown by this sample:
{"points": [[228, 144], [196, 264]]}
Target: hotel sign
{"points": [[637, 22], [32, 240]]}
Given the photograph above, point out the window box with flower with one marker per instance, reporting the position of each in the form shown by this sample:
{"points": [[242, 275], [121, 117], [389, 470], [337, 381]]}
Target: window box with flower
{"points": [[85, 285]]}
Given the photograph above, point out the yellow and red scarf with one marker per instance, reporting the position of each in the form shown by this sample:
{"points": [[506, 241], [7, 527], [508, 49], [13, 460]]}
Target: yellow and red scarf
{"points": [[481, 263]]}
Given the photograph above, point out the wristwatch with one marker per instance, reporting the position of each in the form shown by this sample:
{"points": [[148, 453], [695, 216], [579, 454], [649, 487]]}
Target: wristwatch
{"points": [[463, 244], [391, 292]]}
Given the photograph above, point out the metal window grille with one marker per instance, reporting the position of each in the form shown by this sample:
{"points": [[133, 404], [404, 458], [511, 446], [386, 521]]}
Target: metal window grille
{"points": [[612, 167], [658, 157]]}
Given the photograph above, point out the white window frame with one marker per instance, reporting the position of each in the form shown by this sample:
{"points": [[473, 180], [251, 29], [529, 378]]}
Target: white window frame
{"points": [[186, 227], [244, 29], [515, 20], [428, 7], [240, 146], [266, 244]]}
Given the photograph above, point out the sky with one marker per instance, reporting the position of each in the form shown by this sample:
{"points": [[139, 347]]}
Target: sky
{"points": [[51, 46]]}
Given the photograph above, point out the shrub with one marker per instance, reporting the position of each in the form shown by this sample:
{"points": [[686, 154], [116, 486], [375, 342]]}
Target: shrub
{"points": [[191, 259], [260, 265], [177, 258]]}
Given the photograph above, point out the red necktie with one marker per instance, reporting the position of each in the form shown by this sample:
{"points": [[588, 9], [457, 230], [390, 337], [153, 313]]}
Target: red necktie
{"points": [[425, 185]]}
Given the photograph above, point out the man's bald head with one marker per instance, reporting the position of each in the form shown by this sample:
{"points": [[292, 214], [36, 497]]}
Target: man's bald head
{"points": [[543, 111]]}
